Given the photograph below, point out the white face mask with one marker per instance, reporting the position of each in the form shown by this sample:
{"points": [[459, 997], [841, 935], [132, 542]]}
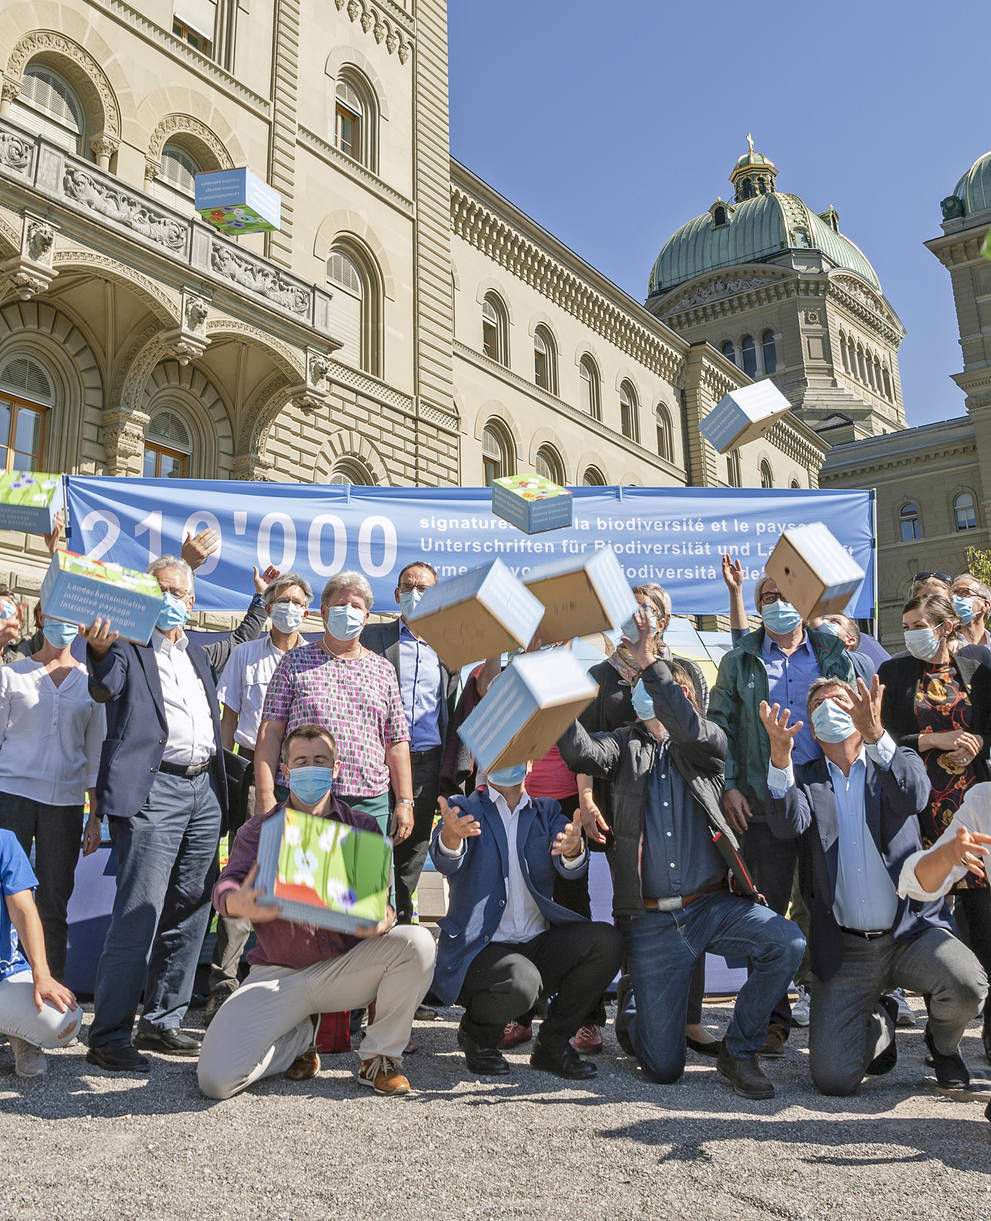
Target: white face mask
{"points": [[286, 616], [922, 643]]}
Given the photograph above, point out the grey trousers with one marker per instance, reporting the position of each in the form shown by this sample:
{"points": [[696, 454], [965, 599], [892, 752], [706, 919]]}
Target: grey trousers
{"points": [[849, 1027]]}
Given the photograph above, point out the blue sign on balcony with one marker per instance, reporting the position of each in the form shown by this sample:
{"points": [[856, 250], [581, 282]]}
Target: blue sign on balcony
{"points": [[236, 201]]}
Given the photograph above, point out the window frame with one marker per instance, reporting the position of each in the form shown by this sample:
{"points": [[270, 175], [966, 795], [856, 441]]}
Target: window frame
{"points": [[629, 411], [766, 475], [598, 480], [500, 326], [665, 437], [542, 335], [491, 469], [193, 38], [18, 403], [552, 461], [972, 506], [371, 354], [768, 344], [67, 135], [913, 519], [589, 376], [752, 372], [362, 111]]}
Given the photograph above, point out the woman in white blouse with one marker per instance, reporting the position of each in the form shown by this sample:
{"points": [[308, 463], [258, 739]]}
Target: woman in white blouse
{"points": [[51, 732]]}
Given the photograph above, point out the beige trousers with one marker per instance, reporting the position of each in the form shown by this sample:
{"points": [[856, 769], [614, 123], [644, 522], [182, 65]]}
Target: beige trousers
{"points": [[265, 1024]]}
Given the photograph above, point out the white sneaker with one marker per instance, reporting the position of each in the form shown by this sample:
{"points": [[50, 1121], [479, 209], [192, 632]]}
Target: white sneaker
{"points": [[905, 1015], [800, 1009], [29, 1060]]}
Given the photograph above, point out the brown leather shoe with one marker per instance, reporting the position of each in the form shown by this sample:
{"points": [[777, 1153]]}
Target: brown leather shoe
{"points": [[383, 1075], [774, 1044], [305, 1066]]}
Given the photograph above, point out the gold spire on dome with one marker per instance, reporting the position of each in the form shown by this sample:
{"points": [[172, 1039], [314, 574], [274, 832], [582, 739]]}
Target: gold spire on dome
{"points": [[750, 142], [753, 174]]}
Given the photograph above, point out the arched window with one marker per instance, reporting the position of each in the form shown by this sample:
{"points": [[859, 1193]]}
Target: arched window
{"points": [[734, 476], [355, 118], [589, 388], [766, 478], [355, 308], [910, 522], [544, 360], [497, 460], [844, 353], [729, 351], [628, 411], [175, 183], [887, 382], [870, 372], [351, 470], [593, 478], [719, 216], [495, 329], [878, 379], [795, 485], [749, 352], [26, 397], [964, 512], [861, 364], [769, 352], [167, 447], [48, 106], [665, 444], [548, 464]]}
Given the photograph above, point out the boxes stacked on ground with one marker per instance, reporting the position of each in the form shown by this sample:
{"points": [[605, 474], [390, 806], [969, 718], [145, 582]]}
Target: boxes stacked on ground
{"points": [[531, 503], [323, 872], [743, 415], [79, 590], [236, 201], [477, 615], [816, 574], [527, 709], [29, 501], [581, 595]]}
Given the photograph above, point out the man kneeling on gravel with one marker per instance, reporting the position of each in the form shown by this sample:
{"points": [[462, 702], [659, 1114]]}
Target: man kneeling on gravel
{"points": [[298, 972]]}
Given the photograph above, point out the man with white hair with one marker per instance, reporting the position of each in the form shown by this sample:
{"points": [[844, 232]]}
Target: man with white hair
{"points": [[162, 786]]}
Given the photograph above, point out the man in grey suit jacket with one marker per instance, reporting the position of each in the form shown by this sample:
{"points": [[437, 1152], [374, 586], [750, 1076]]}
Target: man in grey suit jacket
{"points": [[427, 688]]}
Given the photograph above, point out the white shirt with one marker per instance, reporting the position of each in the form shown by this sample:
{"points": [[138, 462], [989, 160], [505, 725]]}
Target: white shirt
{"points": [[50, 737], [975, 815], [244, 682], [187, 710]]}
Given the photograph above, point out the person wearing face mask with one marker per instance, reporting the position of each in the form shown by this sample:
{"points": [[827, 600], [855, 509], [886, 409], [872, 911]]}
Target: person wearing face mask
{"points": [[267, 1026], [672, 860], [504, 942], [972, 602], [163, 788], [427, 689], [51, 732], [777, 663], [855, 812], [241, 690]]}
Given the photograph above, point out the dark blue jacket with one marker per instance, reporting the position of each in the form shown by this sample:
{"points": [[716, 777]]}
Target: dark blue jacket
{"points": [[892, 801], [479, 880], [126, 680]]}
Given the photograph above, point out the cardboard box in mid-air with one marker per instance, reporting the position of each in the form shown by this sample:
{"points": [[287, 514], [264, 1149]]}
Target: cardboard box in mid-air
{"points": [[29, 501], [581, 595], [816, 574], [743, 415], [532, 503]]}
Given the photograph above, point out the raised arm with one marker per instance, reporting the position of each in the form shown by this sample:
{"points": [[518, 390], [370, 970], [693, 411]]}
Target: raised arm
{"points": [[250, 627]]}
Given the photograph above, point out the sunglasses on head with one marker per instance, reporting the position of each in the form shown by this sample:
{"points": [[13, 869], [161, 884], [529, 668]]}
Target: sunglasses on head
{"points": [[940, 576]]}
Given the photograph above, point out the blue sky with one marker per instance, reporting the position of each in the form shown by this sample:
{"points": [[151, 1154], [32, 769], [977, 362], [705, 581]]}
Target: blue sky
{"points": [[613, 124]]}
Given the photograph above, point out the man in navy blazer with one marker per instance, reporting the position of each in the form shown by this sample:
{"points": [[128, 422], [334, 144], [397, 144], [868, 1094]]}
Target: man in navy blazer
{"points": [[856, 813], [162, 786], [504, 941]]}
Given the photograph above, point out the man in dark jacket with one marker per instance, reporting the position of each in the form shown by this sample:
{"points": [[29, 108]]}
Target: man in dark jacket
{"points": [[670, 855]]}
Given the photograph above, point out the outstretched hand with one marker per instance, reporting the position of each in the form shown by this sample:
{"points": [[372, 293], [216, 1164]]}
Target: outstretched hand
{"points": [[732, 573], [264, 579], [780, 734], [196, 550], [457, 827], [968, 848], [568, 843], [865, 709], [641, 650]]}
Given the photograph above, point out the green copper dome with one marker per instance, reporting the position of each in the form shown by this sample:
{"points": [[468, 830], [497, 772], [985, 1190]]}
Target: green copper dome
{"points": [[762, 224], [974, 188]]}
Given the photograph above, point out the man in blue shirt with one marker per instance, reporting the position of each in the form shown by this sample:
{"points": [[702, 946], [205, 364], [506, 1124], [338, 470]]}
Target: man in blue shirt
{"points": [[855, 810]]}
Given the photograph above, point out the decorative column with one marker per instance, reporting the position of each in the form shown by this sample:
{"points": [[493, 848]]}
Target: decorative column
{"points": [[282, 139]]}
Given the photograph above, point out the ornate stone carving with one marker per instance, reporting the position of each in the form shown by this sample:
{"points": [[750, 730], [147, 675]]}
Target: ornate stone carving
{"points": [[379, 30], [812, 317], [9, 91], [288, 359], [354, 9], [319, 370], [186, 124], [195, 311], [381, 27], [125, 209], [367, 21], [104, 147], [30, 272], [16, 152], [89, 79], [391, 41], [403, 52], [261, 278], [189, 340], [40, 240], [715, 289]]}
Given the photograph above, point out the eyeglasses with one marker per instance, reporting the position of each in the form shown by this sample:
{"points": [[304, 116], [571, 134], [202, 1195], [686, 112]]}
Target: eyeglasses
{"points": [[181, 594], [767, 598], [421, 588], [925, 576]]}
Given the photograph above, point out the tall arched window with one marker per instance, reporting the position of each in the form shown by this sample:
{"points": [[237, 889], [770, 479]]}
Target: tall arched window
{"points": [[548, 464], [729, 351], [26, 398], [355, 308], [795, 485], [665, 443], [871, 380], [628, 411], [748, 350], [964, 512], [590, 394], [351, 470], [593, 478], [175, 183], [495, 329], [497, 453], [910, 522], [844, 353], [544, 360], [766, 477], [769, 352], [734, 475], [861, 364], [168, 446], [47, 105], [355, 118], [887, 382]]}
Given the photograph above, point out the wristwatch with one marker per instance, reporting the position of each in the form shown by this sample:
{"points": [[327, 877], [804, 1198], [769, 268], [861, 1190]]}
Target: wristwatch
{"points": [[404, 801]]}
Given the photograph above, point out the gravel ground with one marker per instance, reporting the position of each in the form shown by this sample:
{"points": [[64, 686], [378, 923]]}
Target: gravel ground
{"points": [[85, 1144]]}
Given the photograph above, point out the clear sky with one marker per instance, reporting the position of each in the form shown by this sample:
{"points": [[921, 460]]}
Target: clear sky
{"points": [[611, 124]]}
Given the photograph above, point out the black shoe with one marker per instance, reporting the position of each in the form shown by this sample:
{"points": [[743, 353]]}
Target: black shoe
{"points": [[951, 1072], [886, 1060], [213, 1003], [986, 1032], [561, 1059], [118, 1058], [745, 1074], [622, 1028], [169, 1042], [486, 1061], [704, 1049]]}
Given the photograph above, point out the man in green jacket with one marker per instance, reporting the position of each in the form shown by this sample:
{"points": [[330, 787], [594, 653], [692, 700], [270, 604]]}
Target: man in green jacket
{"points": [[777, 663]]}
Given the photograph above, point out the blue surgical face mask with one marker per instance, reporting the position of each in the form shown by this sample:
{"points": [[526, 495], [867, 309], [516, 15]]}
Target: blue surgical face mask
{"points": [[780, 617], [174, 613], [922, 643], [831, 722], [643, 705], [7, 610], [344, 622], [507, 777], [59, 634], [964, 608], [286, 616], [311, 784], [408, 600], [827, 625]]}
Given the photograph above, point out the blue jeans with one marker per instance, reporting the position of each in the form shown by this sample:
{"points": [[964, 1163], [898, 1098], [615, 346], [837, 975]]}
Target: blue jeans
{"points": [[662, 949], [166, 866]]}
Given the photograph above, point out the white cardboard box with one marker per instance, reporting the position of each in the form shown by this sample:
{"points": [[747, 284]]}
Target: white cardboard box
{"points": [[743, 415], [816, 574], [582, 595], [77, 589]]}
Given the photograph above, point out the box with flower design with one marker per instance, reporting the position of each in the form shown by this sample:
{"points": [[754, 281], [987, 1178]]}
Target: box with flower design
{"points": [[77, 589], [532, 503], [323, 872], [29, 501]]}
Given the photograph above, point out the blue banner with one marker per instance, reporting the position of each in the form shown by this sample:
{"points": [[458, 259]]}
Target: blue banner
{"points": [[674, 536]]}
